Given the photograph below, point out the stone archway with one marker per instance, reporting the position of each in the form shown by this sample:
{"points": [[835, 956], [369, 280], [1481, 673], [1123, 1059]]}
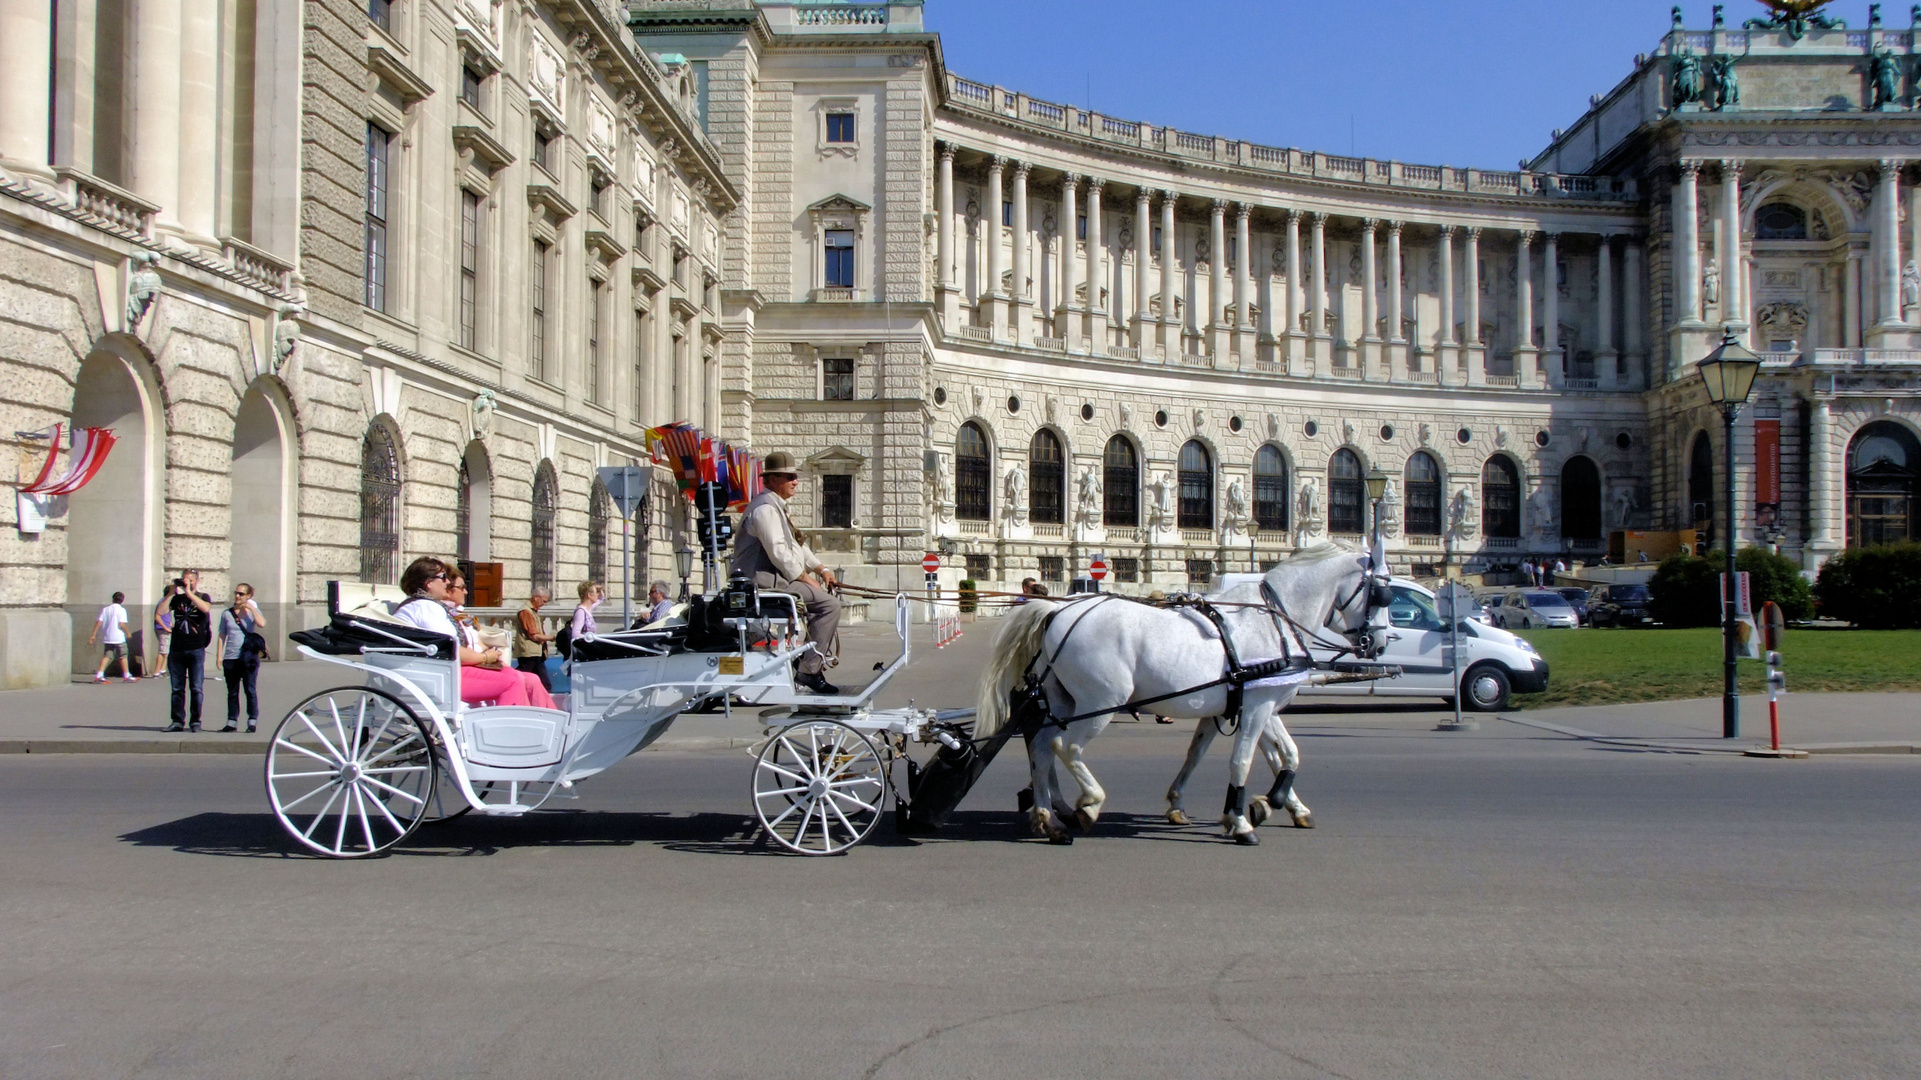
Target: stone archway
{"points": [[113, 525], [263, 503], [475, 532]]}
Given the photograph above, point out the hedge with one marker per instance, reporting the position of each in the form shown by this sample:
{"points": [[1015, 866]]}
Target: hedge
{"points": [[1686, 590], [1877, 588]]}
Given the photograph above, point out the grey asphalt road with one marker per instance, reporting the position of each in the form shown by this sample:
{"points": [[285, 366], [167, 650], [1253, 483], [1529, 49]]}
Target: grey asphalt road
{"points": [[1506, 903]]}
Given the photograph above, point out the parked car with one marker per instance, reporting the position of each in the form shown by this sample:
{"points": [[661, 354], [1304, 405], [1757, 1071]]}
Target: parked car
{"points": [[1527, 609], [1577, 599], [1620, 605]]}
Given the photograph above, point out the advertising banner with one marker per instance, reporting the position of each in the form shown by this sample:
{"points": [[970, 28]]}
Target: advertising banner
{"points": [[1767, 474]]}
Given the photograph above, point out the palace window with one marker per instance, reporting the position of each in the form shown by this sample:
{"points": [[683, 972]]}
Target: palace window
{"points": [[1701, 485], [1423, 495], [1128, 570], [973, 488], [379, 150], [1580, 499], [840, 259], [1049, 474], [379, 506], [598, 504], [979, 567], [1270, 490], [463, 513], [837, 378], [1120, 484], [643, 347], [837, 501], [469, 269], [1007, 213], [1500, 498], [840, 127], [545, 505], [1346, 496], [1053, 568], [537, 342], [382, 14], [1080, 228], [595, 289], [1780, 221], [597, 189], [471, 81], [1200, 571], [1882, 463], [544, 149], [1197, 487]]}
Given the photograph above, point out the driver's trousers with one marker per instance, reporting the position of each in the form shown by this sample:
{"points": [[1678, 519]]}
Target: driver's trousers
{"points": [[822, 609]]}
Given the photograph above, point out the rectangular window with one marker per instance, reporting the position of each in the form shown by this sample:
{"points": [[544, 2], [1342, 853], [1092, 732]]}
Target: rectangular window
{"points": [[643, 340], [382, 14], [979, 567], [598, 196], [1053, 568], [1157, 241], [469, 268], [840, 258], [837, 501], [537, 346], [1007, 213], [544, 150], [840, 127], [837, 378], [1128, 570], [470, 81], [1200, 571], [379, 143], [1080, 228], [594, 291]]}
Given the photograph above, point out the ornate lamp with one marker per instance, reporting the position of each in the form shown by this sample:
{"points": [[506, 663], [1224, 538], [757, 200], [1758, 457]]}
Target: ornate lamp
{"points": [[1376, 485], [684, 566], [1728, 374]]}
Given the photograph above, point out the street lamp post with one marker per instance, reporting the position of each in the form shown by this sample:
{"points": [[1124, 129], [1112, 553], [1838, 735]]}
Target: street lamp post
{"points": [[1728, 373], [1376, 491], [684, 566]]}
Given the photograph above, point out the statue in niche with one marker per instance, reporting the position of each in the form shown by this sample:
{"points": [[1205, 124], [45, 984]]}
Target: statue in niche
{"points": [[1727, 86], [1884, 78], [1424, 432], [1540, 511], [942, 488], [1016, 488], [1390, 512], [1308, 503], [143, 288], [1126, 414], [286, 335], [1910, 285], [483, 413], [1686, 89], [1711, 283], [1089, 508], [1624, 503], [1237, 505], [1162, 506], [1464, 518]]}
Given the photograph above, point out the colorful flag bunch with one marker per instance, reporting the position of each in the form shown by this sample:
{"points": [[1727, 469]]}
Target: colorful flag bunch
{"points": [[695, 457]]}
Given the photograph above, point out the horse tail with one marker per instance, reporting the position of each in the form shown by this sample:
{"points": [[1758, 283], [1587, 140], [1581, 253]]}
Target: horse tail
{"points": [[1015, 646]]}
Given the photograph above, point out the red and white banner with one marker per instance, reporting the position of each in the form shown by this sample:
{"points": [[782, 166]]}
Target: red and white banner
{"points": [[88, 453], [1767, 472]]}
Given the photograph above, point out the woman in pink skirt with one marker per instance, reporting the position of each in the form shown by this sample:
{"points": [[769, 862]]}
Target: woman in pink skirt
{"points": [[429, 585]]}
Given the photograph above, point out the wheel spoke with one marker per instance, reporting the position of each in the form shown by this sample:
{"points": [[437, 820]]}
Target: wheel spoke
{"points": [[305, 775], [837, 796], [340, 729], [405, 741], [391, 769], [338, 757], [286, 806], [346, 808], [366, 825], [399, 829], [321, 816], [298, 749], [374, 739], [852, 832], [415, 799], [851, 781], [788, 773], [791, 807], [800, 761], [781, 791]]}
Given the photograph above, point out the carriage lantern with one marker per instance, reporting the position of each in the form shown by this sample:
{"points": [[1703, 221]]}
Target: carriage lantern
{"points": [[1728, 373]]}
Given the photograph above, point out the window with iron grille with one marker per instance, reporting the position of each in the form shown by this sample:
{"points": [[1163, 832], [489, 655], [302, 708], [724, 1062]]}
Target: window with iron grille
{"points": [[1270, 490], [1197, 487], [837, 501], [1053, 568], [544, 150], [537, 344], [1048, 479], [973, 491], [840, 127], [1126, 569], [594, 291], [840, 259], [979, 567], [1200, 571], [1120, 484], [379, 507], [546, 503], [1423, 495], [379, 147], [463, 513], [837, 378], [470, 82], [598, 504], [1500, 498], [1346, 495], [469, 268]]}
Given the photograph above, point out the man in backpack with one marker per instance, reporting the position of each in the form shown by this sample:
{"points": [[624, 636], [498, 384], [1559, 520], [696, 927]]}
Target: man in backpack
{"points": [[192, 612]]}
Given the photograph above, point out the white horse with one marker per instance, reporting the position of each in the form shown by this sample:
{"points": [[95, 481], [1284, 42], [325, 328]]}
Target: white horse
{"points": [[1102, 655]]}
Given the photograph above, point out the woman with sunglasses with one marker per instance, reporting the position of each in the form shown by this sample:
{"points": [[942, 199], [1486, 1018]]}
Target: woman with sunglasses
{"points": [[530, 684], [427, 582]]}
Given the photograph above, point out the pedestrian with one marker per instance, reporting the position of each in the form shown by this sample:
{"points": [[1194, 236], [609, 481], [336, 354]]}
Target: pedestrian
{"points": [[192, 632], [530, 642], [590, 597], [1528, 572], [1560, 567], [243, 638], [1027, 590], [661, 602], [111, 630], [163, 627]]}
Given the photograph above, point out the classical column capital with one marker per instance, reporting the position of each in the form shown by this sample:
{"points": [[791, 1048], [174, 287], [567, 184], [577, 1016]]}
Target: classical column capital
{"points": [[1731, 169], [1550, 236], [1527, 238], [1243, 212], [1446, 232], [1316, 218], [1394, 229], [1689, 168], [1070, 181], [1290, 215], [1169, 197], [1891, 168], [995, 163], [1367, 226], [947, 151], [1094, 184], [1022, 168], [1472, 232], [1220, 206]]}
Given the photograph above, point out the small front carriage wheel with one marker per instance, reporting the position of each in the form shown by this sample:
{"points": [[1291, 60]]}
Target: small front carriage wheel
{"points": [[351, 772], [818, 787]]}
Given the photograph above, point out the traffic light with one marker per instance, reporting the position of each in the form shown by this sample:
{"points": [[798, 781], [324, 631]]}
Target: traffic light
{"points": [[715, 532]]}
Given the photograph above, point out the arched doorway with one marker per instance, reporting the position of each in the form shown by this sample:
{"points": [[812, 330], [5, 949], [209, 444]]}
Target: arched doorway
{"points": [[1580, 499], [114, 523], [1500, 499], [474, 509], [263, 505], [1883, 458], [1700, 515], [546, 506]]}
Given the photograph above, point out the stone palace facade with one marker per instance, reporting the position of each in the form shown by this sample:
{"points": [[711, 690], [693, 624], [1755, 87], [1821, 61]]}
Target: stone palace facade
{"points": [[354, 280]]}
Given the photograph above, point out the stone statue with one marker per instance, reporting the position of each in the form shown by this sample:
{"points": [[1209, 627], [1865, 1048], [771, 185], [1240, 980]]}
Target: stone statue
{"points": [[1126, 414], [1540, 511], [1686, 89], [1711, 283], [943, 477], [1727, 86], [143, 287], [1390, 512], [286, 335], [1623, 504], [1162, 507], [1884, 78], [1465, 518], [1090, 509], [1236, 504], [483, 412], [1308, 502], [1910, 285], [1016, 487]]}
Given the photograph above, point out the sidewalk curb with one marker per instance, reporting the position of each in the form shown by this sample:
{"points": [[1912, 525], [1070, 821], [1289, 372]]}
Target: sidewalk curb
{"points": [[259, 746], [1739, 748]]}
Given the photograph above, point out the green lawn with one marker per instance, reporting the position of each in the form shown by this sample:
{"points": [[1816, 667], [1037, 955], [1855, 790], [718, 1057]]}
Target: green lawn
{"points": [[1604, 667]]}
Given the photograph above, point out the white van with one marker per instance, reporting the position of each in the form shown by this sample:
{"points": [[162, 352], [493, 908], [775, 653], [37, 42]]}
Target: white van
{"points": [[1494, 663]]}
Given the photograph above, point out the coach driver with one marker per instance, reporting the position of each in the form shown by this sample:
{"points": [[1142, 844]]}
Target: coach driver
{"points": [[769, 551]]}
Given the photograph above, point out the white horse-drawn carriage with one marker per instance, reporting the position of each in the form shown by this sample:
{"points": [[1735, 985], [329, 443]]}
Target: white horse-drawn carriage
{"points": [[353, 771]]}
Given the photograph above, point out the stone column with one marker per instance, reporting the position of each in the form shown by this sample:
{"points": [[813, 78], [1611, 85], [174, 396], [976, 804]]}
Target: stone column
{"points": [[1217, 282], [1067, 321], [1687, 243], [944, 232], [1172, 329], [1733, 265], [1096, 269], [1634, 316], [1553, 358], [1369, 343], [1525, 354], [1022, 305], [1244, 283], [1444, 352], [1143, 234], [1820, 477], [1471, 342], [154, 171], [1851, 301], [26, 89], [1604, 354], [199, 121], [1317, 293], [992, 297], [1292, 343], [1886, 240], [1396, 342]]}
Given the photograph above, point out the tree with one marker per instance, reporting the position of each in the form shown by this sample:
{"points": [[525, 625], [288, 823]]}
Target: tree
{"points": [[1686, 591], [1877, 588], [1776, 578]]}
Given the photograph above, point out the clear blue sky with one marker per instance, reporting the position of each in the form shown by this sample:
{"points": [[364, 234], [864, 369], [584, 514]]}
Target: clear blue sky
{"points": [[1457, 82]]}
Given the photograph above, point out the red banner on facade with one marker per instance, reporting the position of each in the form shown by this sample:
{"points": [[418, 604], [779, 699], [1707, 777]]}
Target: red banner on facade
{"points": [[1767, 472]]}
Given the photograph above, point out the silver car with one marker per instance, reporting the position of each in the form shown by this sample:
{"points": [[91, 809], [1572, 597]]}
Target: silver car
{"points": [[1527, 609]]}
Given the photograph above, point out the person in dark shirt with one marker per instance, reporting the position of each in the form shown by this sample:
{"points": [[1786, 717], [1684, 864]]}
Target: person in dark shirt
{"points": [[192, 612]]}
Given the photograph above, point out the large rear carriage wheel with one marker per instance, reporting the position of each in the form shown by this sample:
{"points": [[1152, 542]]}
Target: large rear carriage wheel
{"points": [[819, 786], [351, 772]]}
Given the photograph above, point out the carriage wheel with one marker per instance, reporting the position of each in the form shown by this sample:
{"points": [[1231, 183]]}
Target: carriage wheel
{"points": [[351, 772], [818, 787], [447, 803]]}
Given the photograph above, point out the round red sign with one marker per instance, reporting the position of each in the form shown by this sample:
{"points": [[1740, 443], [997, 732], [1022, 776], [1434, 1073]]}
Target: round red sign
{"points": [[1097, 569], [930, 562]]}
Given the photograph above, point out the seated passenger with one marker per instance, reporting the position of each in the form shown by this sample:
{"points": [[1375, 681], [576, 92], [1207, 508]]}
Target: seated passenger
{"points": [[768, 550], [427, 582], [536, 690]]}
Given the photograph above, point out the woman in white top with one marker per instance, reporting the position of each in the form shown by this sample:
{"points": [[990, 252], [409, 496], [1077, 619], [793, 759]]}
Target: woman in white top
{"points": [[481, 676], [590, 597]]}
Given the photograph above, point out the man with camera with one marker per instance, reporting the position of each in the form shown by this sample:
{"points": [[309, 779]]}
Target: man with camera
{"points": [[192, 612]]}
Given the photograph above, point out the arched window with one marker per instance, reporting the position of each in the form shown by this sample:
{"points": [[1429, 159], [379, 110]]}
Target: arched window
{"points": [[1346, 495], [598, 504], [1120, 484], [546, 501], [1270, 490], [1423, 495], [1500, 498], [1048, 473], [1197, 487], [1701, 485], [1883, 459], [1780, 221], [973, 490], [379, 506], [1580, 499], [463, 513]]}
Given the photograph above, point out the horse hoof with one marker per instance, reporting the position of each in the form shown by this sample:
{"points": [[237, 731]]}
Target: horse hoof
{"points": [[1063, 838], [1257, 809], [1178, 816], [1082, 820], [1247, 839], [1303, 821]]}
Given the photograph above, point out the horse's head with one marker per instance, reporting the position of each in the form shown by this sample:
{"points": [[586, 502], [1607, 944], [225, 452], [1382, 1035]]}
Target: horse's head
{"points": [[1351, 587]]}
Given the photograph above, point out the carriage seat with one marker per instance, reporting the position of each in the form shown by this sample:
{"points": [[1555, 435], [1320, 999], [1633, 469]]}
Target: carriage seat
{"points": [[351, 606]]}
